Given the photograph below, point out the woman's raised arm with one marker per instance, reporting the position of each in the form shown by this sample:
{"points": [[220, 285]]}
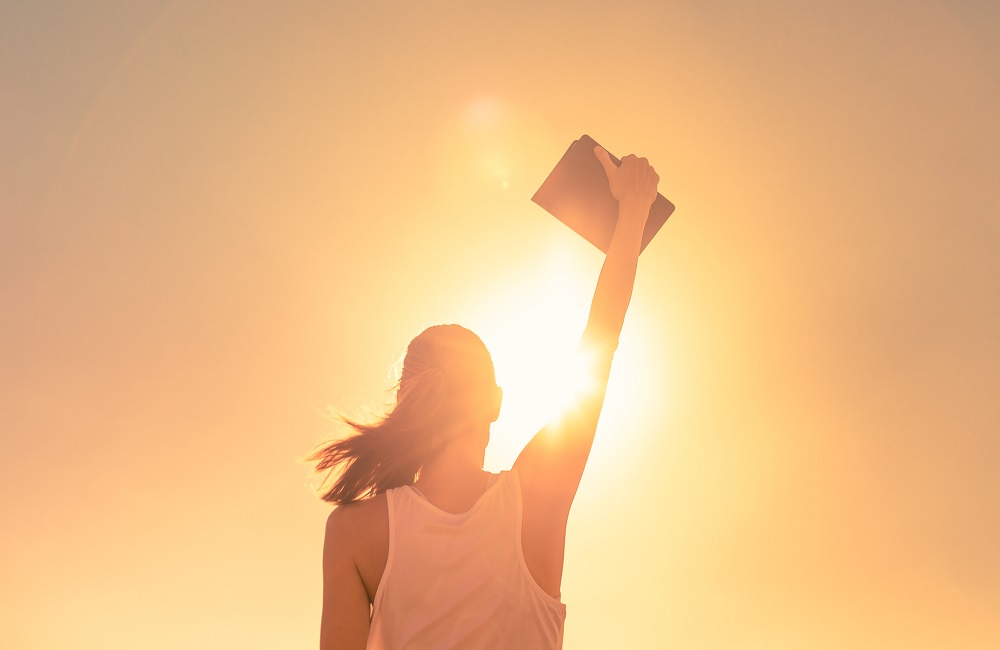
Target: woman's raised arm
{"points": [[551, 465]]}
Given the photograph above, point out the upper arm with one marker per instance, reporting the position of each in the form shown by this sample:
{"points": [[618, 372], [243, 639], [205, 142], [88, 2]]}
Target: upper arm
{"points": [[346, 610], [551, 465]]}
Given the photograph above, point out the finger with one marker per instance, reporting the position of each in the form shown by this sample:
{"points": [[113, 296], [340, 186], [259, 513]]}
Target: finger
{"points": [[610, 170]]}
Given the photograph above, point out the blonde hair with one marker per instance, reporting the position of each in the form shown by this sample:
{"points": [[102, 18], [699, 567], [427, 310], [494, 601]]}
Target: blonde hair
{"points": [[445, 371]]}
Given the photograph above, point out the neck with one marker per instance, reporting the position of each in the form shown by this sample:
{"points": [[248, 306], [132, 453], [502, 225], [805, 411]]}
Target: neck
{"points": [[459, 463]]}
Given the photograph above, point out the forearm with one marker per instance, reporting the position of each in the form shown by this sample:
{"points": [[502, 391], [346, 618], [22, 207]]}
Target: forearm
{"points": [[614, 285]]}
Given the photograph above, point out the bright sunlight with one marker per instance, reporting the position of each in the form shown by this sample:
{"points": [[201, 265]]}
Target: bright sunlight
{"points": [[533, 332]]}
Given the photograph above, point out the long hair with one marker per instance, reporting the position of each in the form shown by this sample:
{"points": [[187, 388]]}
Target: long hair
{"points": [[445, 371]]}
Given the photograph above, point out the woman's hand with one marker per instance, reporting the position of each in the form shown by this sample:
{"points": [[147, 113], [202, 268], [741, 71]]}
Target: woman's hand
{"points": [[633, 184]]}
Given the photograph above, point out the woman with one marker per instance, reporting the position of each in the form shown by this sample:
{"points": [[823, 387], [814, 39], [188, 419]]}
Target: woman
{"points": [[460, 558]]}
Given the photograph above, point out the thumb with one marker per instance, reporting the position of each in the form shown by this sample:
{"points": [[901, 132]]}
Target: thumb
{"points": [[610, 170]]}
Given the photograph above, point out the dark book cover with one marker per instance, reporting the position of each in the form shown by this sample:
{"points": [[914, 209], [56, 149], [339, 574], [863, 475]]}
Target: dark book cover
{"points": [[577, 193]]}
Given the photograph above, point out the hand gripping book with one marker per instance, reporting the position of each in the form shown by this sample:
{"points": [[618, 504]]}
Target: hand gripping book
{"points": [[577, 193]]}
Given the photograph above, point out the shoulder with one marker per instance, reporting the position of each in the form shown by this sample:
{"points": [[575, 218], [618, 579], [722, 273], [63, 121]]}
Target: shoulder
{"points": [[357, 541], [358, 520], [359, 532]]}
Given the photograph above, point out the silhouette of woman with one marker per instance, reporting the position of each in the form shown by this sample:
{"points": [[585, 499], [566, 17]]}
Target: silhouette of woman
{"points": [[425, 548]]}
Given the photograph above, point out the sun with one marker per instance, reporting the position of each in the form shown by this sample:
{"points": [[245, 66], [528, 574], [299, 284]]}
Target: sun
{"points": [[533, 329]]}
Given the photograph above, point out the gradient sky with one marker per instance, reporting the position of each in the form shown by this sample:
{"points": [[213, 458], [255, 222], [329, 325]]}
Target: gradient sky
{"points": [[218, 220]]}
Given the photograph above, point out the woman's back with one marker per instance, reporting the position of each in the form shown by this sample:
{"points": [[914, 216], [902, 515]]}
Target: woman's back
{"points": [[459, 579]]}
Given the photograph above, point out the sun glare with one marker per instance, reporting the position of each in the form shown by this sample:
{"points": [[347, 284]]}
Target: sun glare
{"points": [[533, 334]]}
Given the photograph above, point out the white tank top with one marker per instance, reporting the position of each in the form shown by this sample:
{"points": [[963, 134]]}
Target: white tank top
{"points": [[459, 580]]}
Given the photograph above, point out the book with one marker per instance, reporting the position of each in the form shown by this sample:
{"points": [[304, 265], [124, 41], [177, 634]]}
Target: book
{"points": [[577, 193]]}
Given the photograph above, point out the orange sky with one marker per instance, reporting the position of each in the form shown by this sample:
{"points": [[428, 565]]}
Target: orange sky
{"points": [[218, 219]]}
